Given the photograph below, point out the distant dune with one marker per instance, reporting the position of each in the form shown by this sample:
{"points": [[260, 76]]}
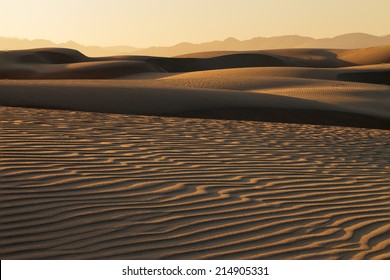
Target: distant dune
{"points": [[346, 41], [68, 63], [271, 154], [22, 44], [213, 84]]}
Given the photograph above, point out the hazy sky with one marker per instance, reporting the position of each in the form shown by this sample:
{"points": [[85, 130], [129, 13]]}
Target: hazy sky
{"points": [[143, 23]]}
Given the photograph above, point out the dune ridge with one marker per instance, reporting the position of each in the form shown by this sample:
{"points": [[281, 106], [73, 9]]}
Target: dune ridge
{"points": [[103, 186]]}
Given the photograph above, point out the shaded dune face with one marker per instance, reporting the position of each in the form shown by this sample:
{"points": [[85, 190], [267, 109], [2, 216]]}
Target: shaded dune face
{"points": [[375, 77], [223, 62], [80, 185], [52, 57], [48, 56], [326, 58], [65, 64]]}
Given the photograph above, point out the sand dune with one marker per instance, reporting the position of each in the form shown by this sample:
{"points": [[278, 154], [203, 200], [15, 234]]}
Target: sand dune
{"points": [[65, 64], [99, 186], [347, 97], [281, 80], [68, 64], [373, 77], [146, 184], [314, 57], [176, 97], [374, 55]]}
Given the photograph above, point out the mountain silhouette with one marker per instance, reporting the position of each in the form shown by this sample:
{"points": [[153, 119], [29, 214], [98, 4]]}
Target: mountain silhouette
{"points": [[346, 41]]}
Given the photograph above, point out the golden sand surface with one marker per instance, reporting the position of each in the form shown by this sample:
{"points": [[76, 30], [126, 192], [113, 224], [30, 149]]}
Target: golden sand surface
{"points": [[78, 185]]}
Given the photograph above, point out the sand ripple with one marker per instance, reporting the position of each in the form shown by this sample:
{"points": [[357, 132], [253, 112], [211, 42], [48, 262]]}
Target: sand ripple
{"points": [[103, 186]]}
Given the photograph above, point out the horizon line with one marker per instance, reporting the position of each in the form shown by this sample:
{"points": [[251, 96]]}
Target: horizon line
{"points": [[188, 42]]}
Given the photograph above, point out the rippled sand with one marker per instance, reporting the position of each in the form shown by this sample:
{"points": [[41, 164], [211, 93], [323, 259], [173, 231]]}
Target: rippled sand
{"points": [[105, 186]]}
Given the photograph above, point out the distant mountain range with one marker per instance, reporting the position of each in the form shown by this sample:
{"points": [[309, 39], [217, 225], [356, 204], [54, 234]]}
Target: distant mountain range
{"points": [[346, 41]]}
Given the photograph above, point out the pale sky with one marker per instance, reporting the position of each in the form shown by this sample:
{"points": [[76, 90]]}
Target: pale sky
{"points": [[143, 23]]}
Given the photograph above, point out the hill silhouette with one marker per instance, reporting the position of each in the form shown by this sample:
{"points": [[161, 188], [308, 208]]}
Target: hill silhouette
{"points": [[346, 41]]}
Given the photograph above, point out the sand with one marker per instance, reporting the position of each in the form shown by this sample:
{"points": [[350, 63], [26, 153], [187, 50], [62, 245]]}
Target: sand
{"points": [[68, 63], [280, 154], [104, 186]]}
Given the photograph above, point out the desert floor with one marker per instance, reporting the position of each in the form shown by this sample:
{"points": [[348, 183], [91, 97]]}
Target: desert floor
{"points": [[279, 154]]}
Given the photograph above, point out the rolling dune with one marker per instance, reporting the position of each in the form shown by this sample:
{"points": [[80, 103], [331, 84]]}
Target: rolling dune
{"points": [[310, 101], [329, 58], [374, 55], [101, 186], [146, 85], [70, 64], [360, 98]]}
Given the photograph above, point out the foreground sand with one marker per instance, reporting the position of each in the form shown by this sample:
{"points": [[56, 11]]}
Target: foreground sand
{"points": [[105, 186]]}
